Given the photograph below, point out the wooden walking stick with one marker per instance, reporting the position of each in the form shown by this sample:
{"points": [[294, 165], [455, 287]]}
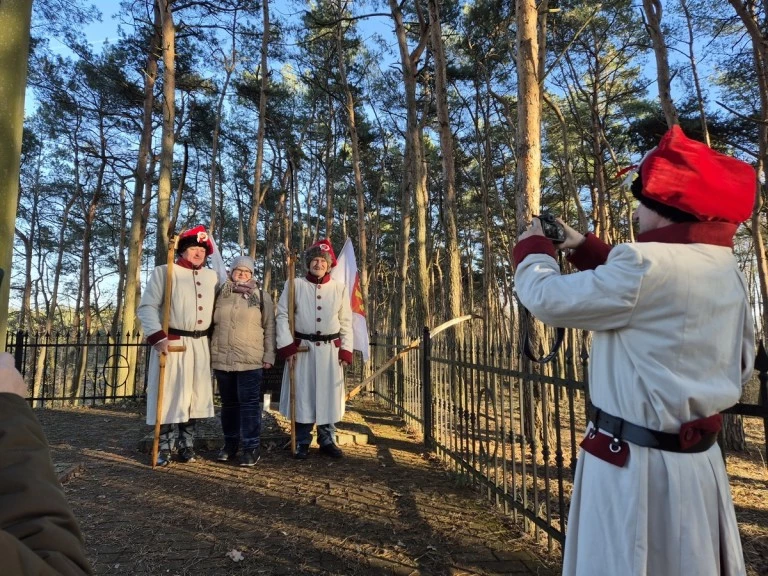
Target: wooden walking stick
{"points": [[292, 361], [172, 244]]}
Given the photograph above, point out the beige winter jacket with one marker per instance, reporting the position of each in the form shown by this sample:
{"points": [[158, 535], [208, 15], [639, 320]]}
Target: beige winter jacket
{"points": [[243, 337]]}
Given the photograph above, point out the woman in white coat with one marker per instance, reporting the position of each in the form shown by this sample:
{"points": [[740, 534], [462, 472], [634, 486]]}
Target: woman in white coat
{"points": [[188, 392], [673, 345], [323, 325]]}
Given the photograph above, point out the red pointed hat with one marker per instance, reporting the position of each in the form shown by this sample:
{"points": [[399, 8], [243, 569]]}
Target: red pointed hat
{"points": [[196, 236], [690, 176], [323, 249]]}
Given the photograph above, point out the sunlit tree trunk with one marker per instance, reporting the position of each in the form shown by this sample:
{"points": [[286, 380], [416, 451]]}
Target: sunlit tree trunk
{"points": [[52, 304], [416, 172], [529, 158], [760, 53], [258, 195], [570, 181], [76, 386], [229, 68], [137, 232], [15, 16], [449, 171], [695, 71], [357, 174], [653, 12], [29, 240], [168, 41]]}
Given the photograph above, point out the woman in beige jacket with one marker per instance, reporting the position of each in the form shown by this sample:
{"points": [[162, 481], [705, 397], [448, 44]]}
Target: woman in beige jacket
{"points": [[243, 344]]}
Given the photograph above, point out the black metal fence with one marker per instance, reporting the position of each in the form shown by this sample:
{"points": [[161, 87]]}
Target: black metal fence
{"points": [[70, 368], [78, 368], [501, 425]]}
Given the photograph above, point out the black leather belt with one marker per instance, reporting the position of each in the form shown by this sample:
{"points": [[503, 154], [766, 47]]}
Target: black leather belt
{"points": [[620, 428], [317, 337], [190, 333]]}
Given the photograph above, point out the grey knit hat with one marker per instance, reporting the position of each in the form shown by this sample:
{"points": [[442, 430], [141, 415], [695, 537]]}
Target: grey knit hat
{"points": [[242, 262]]}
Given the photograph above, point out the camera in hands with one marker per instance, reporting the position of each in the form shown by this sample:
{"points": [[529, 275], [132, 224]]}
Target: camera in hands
{"points": [[552, 228]]}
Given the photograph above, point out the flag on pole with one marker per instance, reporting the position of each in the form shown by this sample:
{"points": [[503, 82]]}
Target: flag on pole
{"points": [[345, 271]]}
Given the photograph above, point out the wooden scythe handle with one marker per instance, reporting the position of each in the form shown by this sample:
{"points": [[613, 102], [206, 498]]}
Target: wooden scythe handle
{"points": [[172, 243], [292, 361], [412, 346]]}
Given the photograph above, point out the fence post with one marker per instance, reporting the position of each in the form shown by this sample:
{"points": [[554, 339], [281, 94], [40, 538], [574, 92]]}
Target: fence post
{"points": [[18, 350], [426, 386], [761, 363]]}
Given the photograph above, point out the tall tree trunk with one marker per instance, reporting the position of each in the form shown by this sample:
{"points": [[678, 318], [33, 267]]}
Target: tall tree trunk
{"points": [[360, 193], [272, 235], [602, 226], [695, 72], [760, 53], [258, 196], [653, 12], [25, 317], [169, 114], [15, 17], [415, 169], [529, 114], [529, 159], [229, 68], [139, 214], [566, 162], [52, 305], [76, 386], [449, 170]]}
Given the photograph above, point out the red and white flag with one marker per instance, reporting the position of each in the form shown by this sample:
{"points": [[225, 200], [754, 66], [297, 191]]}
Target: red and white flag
{"points": [[346, 271]]}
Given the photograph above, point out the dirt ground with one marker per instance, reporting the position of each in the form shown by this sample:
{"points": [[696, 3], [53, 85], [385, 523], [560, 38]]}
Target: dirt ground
{"points": [[386, 508]]}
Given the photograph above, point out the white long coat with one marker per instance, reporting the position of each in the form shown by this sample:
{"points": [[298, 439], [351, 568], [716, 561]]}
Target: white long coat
{"points": [[188, 391], [323, 308], [673, 342]]}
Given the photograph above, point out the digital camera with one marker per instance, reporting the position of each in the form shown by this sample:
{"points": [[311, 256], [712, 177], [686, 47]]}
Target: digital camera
{"points": [[551, 227]]}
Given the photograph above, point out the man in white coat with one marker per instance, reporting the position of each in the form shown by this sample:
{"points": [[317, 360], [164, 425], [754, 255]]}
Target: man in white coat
{"points": [[323, 325], [673, 345], [188, 392]]}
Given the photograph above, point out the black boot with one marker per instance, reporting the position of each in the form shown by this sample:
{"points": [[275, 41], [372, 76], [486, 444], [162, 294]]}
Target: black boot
{"points": [[302, 451], [332, 450], [186, 454], [227, 453], [250, 456]]}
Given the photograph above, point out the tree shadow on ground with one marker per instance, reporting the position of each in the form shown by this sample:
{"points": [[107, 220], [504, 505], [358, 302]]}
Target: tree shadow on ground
{"points": [[382, 509]]}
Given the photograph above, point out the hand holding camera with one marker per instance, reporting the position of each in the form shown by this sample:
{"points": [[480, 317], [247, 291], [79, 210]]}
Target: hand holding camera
{"points": [[551, 228], [554, 229]]}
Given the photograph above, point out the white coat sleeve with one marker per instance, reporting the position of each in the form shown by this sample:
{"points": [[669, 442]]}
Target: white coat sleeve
{"points": [[150, 309], [747, 338], [283, 332], [599, 299]]}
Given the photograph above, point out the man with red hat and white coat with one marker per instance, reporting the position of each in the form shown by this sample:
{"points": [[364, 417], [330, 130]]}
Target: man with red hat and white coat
{"points": [[323, 324], [188, 392], [673, 344]]}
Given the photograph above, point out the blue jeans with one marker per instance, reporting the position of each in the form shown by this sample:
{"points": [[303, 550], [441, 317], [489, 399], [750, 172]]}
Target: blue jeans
{"points": [[240, 409], [182, 434], [326, 433]]}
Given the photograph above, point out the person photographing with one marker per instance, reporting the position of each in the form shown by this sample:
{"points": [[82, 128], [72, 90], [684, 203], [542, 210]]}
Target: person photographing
{"points": [[673, 345]]}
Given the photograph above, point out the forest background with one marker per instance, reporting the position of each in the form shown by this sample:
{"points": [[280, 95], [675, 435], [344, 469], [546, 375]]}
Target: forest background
{"points": [[405, 125]]}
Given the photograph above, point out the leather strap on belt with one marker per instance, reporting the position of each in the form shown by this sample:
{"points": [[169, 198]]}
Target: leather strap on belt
{"points": [[696, 436], [317, 337], [190, 333]]}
